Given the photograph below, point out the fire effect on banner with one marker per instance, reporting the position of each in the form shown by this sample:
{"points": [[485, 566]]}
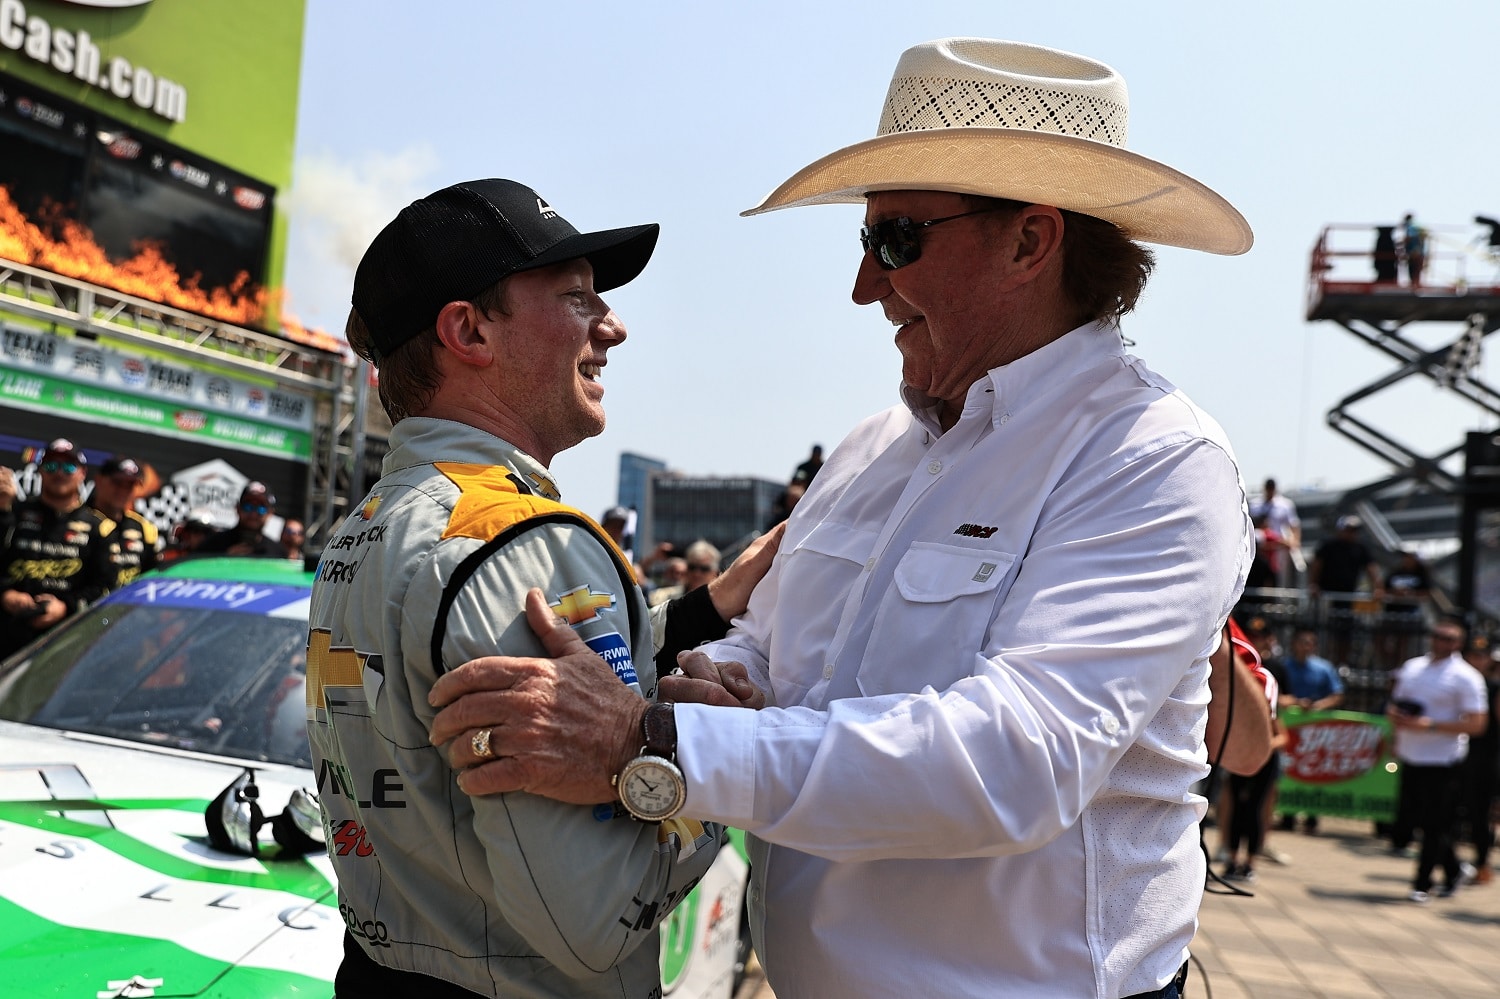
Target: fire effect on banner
{"points": [[65, 246]]}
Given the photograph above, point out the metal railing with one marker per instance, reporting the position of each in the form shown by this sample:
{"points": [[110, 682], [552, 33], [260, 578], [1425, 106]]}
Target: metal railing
{"points": [[1365, 638]]}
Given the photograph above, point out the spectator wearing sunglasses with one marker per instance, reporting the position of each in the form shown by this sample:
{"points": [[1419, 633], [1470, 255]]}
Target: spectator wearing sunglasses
{"points": [[985, 645], [134, 542], [248, 534], [57, 560]]}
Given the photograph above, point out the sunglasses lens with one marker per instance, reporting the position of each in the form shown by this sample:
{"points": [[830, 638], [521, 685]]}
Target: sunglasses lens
{"points": [[894, 243], [65, 467]]}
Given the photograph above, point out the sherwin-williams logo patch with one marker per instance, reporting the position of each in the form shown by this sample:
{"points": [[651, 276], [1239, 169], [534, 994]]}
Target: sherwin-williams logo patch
{"points": [[582, 604], [612, 649], [368, 510]]}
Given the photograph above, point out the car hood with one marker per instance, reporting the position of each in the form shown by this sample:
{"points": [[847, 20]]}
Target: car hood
{"points": [[109, 886]]}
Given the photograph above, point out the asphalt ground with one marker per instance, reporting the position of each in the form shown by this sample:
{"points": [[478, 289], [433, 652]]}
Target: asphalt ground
{"points": [[1334, 923]]}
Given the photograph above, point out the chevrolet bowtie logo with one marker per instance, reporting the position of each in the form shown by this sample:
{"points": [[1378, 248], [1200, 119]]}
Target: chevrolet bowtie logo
{"points": [[582, 604]]}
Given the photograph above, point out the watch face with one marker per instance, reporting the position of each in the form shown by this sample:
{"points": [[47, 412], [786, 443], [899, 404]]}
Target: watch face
{"points": [[652, 788]]}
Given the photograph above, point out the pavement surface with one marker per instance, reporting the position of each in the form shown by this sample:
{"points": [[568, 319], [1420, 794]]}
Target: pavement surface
{"points": [[1335, 923]]}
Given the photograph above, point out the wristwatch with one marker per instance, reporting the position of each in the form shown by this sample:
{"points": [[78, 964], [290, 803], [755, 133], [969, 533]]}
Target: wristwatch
{"points": [[650, 786]]}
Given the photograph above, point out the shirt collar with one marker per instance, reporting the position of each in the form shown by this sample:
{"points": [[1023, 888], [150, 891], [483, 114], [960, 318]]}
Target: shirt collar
{"points": [[420, 440], [1009, 387]]}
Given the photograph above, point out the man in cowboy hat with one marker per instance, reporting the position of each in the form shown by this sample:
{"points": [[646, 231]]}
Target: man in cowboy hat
{"points": [[985, 647], [481, 305]]}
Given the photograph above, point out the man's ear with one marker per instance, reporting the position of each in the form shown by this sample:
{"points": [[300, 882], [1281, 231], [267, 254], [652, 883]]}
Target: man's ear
{"points": [[1039, 237], [459, 331]]}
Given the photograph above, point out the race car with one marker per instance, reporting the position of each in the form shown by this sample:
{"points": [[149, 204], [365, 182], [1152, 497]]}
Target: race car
{"points": [[159, 833]]}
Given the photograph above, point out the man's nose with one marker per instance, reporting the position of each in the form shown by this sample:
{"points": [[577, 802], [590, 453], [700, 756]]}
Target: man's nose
{"points": [[612, 328], [870, 282]]}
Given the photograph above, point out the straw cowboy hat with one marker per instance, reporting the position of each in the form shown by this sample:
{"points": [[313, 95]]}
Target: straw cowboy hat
{"points": [[1011, 120]]}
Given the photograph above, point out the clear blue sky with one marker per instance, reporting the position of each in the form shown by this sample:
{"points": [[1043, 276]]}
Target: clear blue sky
{"points": [[744, 345]]}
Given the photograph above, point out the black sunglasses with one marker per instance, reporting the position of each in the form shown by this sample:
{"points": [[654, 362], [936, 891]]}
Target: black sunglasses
{"points": [[696, 567], [65, 467], [895, 242]]}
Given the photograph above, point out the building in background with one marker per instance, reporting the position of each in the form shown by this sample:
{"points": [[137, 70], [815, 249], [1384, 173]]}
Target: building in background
{"points": [[726, 512], [635, 477]]}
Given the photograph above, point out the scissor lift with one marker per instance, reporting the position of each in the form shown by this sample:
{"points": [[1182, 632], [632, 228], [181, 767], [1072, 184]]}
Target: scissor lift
{"points": [[1360, 282]]}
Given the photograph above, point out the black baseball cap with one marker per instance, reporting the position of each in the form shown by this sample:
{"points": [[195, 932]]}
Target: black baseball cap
{"points": [[63, 449], [257, 492], [120, 465], [455, 243]]}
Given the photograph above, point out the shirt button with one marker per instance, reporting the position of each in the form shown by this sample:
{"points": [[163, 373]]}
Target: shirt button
{"points": [[1109, 723], [828, 672], [934, 466], [1004, 419], [869, 565]]}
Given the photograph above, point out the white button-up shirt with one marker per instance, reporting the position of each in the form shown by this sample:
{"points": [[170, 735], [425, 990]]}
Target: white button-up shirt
{"points": [[987, 651], [1447, 689]]}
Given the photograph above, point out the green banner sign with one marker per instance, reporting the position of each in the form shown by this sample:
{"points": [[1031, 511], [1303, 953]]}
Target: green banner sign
{"points": [[1337, 763], [45, 394]]}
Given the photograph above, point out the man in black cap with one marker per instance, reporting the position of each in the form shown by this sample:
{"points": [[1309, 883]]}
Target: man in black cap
{"points": [[135, 542], [247, 536], [481, 307], [57, 559]]}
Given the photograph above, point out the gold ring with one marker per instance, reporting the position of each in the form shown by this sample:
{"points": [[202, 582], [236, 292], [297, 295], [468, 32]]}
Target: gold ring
{"points": [[480, 743]]}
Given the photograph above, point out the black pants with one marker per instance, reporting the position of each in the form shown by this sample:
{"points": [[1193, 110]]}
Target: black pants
{"points": [[1249, 794], [1434, 805], [1478, 793]]}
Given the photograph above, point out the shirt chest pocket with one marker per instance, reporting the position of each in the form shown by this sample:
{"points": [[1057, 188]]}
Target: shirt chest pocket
{"points": [[932, 622]]}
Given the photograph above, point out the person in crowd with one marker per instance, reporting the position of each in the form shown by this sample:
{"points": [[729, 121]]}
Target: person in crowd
{"points": [[57, 559], [673, 580], [187, 535], [1407, 588], [1340, 567], [616, 523], [1248, 786], [481, 307], [1413, 248], [1479, 778], [786, 502], [984, 647], [1437, 703], [293, 534], [807, 470], [702, 565], [248, 534], [1312, 684], [135, 543], [1283, 527], [1273, 661], [8, 494]]}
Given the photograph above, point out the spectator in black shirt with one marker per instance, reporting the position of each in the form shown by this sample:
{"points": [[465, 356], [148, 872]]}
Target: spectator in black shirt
{"points": [[56, 561], [247, 536]]}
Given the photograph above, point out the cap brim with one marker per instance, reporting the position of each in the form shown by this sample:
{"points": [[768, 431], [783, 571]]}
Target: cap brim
{"points": [[1150, 201], [617, 255]]}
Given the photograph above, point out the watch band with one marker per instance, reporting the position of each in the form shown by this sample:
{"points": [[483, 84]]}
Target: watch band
{"points": [[659, 731]]}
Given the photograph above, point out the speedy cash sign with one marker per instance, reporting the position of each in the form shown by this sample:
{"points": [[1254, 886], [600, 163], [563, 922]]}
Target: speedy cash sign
{"points": [[1330, 750]]}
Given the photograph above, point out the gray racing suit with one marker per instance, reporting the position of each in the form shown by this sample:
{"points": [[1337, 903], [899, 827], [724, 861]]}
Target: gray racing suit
{"points": [[512, 894]]}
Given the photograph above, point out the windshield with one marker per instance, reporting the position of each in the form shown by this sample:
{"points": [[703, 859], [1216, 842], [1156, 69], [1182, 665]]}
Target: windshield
{"points": [[191, 677]]}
